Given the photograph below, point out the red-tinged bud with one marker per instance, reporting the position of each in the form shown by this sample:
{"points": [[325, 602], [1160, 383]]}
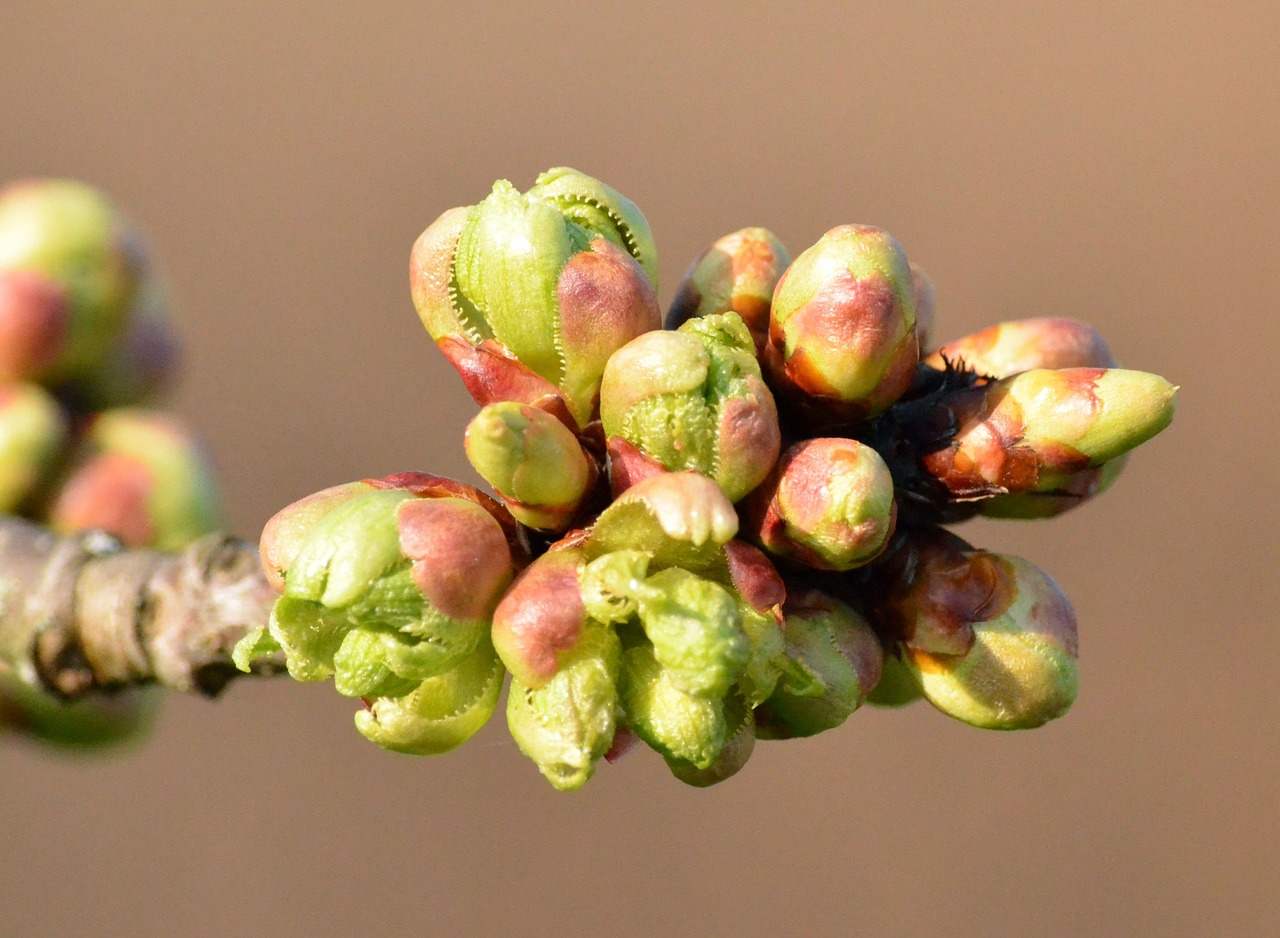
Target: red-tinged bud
{"points": [[142, 476], [431, 276], [542, 616], [459, 557], [70, 233], [737, 274], [842, 340], [926, 304], [829, 505], [33, 323], [990, 637], [550, 279], [386, 583], [1034, 431], [1011, 347]]}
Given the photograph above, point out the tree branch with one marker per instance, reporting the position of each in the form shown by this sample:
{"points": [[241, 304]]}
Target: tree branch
{"points": [[81, 613]]}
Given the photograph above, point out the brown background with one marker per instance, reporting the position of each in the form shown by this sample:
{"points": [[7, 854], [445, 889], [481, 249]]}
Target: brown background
{"points": [[1112, 162]]}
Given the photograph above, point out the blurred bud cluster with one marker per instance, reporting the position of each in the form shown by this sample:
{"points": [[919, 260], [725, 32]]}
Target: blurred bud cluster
{"points": [[711, 527], [87, 348]]}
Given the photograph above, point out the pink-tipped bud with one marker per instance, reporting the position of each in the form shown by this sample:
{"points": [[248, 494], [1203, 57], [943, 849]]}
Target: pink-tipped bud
{"points": [[737, 274], [842, 341], [829, 505], [142, 476]]}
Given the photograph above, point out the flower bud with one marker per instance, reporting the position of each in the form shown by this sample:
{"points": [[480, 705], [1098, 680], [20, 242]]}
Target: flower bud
{"points": [[442, 712], [33, 431], [387, 584], [737, 274], [1032, 432], [680, 519], [926, 303], [990, 638], [694, 399], [533, 462], [69, 233], [679, 725], [696, 630], [657, 557], [567, 725], [141, 476], [600, 208], [286, 531], [541, 619], [842, 340], [1008, 348], [828, 504], [520, 279], [833, 660], [739, 743]]}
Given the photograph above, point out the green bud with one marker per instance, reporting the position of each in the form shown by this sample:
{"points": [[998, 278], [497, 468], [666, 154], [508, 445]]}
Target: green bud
{"points": [[285, 532], [842, 336], [601, 209], [70, 233], [740, 742], [567, 725], [533, 462], [612, 585], [680, 726], [442, 712], [694, 399], [1032, 432], [737, 274], [829, 505], [833, 660], [142, 476], [696, 630], [33, 430], [1008, 348], [532, 293], [386, 584], [990, 638], [680, 519]]}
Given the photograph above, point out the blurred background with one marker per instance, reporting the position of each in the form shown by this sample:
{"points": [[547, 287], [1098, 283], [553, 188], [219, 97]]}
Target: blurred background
{"points": [[1115, 163]]}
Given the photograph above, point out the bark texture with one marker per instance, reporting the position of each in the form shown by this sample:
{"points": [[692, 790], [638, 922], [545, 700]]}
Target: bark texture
{"points": [[81, 613]]}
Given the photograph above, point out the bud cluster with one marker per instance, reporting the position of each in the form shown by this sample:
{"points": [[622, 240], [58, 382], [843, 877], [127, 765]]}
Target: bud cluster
{"points": [[723, 530], [86, 350]]}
